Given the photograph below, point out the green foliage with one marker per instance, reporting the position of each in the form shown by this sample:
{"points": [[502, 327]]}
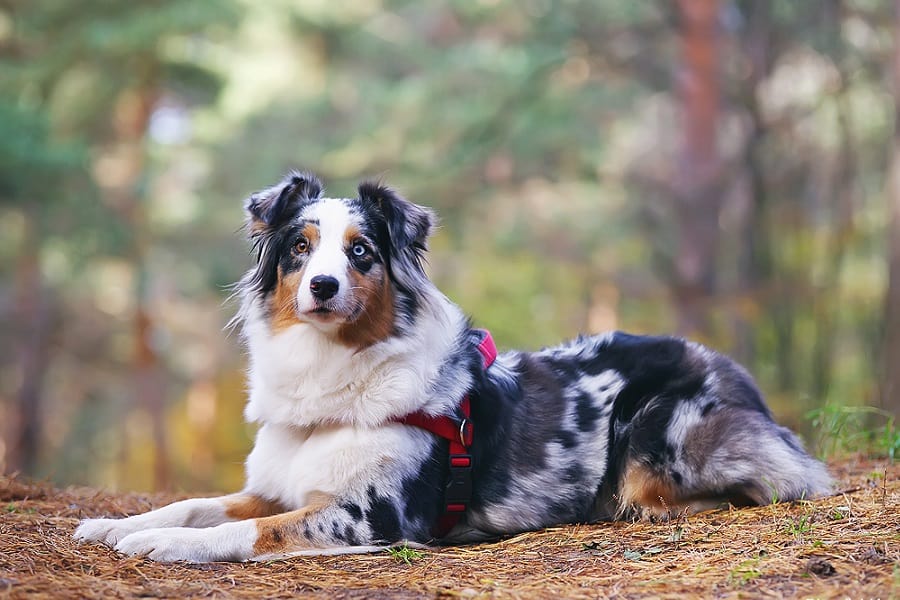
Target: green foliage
{"points": [[745, 572], [800, 526], [547, 137], [839, 513], [27, 154], [637, 555], [405, 554], [14, 507], [848, 429], [677, 534]]}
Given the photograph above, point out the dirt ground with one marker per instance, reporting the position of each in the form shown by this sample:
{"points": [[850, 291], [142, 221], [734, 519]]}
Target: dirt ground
{"points": [[844, 546]]}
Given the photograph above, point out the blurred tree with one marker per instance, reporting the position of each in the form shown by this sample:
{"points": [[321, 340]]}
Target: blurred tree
{"points": [[714, 167], [91, 74], [698, 183], [30, 167], [890, 349]]}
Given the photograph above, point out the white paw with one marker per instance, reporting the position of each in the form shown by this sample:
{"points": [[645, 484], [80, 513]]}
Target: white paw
{"points": [[170, 544], [108, 531]]}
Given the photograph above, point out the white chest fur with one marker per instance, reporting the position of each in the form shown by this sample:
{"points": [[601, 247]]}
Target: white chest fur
{"points": [[302, 378]]}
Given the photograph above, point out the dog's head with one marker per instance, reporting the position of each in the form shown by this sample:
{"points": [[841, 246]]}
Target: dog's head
{"points": [[347, 266]]}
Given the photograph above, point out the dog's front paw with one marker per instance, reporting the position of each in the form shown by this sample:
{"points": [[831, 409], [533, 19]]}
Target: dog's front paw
{"points": [[108, 531], [172, 544]]}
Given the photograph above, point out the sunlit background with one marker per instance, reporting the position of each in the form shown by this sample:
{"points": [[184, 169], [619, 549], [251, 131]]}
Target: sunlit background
{"points": [[713, 168]]}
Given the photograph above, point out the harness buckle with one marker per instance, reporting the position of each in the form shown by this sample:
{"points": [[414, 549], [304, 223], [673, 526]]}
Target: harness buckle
{"points": [[459, 486]]}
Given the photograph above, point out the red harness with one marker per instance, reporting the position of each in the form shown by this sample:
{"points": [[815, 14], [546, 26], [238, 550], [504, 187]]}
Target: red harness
{"points": [[459, 431]]}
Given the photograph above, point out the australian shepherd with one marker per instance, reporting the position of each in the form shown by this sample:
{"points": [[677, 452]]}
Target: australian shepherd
{"points": [[385, 417]]}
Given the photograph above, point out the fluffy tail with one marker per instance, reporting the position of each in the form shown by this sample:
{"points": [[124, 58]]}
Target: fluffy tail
{"points": [[735, 456]]}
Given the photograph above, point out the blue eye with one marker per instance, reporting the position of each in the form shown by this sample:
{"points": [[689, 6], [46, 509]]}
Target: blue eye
{"points": [[359, 250]]}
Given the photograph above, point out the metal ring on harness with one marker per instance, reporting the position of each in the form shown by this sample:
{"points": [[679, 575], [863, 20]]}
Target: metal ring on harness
{"points": [[462, 432]]}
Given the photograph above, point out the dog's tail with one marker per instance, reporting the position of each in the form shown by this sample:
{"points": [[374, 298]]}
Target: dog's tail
{"points": [[722, 446], [740, 458]]}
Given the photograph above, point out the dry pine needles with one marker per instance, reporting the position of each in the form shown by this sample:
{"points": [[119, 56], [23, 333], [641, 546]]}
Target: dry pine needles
{"points": [[844, 546]]}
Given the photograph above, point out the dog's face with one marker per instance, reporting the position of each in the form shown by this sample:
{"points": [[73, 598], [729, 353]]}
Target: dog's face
{"points": [[339, 264]]}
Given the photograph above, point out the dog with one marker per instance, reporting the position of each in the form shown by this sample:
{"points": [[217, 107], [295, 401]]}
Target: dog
{"points": [[385, 417]]}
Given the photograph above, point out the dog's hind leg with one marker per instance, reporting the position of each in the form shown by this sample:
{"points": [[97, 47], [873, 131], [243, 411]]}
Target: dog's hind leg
{"points": [[735, 455]]}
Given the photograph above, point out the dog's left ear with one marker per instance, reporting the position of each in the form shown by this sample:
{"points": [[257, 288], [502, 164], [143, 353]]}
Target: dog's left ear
{"points": [[275, 205], [408, 224]]}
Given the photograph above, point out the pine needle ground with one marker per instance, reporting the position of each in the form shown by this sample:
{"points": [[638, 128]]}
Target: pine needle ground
{"points": [[843, 546]]}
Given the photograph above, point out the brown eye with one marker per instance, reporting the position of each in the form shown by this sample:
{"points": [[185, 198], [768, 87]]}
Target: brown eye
{"points": [[302, 246]]}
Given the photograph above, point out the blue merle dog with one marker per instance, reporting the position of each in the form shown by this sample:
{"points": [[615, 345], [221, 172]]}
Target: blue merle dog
{"points": [[348, 337]]}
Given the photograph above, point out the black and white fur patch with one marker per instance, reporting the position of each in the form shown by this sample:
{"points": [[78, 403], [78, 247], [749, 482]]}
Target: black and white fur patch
{"points": [[346, 334]]}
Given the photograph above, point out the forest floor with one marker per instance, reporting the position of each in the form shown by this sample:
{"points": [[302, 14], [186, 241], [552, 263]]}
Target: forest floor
{"points": [[843, 546]]}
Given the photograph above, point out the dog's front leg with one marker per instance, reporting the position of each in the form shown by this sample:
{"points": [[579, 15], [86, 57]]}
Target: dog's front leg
{"points": [[195, 512], [236, 541]]}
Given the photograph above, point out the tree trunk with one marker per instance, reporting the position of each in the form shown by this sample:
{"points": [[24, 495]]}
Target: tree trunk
{"points": [[827, 301], [34, 317], [890, 354], [132, 117], [698, 184], [754, 257]]}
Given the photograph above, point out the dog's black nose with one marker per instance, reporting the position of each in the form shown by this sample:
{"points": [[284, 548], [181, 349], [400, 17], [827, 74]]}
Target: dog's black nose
{"points": [[323, 287]]}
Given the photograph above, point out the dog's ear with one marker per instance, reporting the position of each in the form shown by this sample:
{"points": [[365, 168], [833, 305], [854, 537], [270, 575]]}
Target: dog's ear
{"points": [[408, 228], [270, 208], [408, 224]]}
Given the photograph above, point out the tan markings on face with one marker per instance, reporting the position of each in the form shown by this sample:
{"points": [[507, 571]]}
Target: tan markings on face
{"points": [[284, 532], [246, 506], [311, 233], [351, 234], [373, 292], [646, 488], [283, 304], [284, 301]]}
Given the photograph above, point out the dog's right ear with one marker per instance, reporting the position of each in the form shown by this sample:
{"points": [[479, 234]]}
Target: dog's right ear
{"points": [[270, 208]]}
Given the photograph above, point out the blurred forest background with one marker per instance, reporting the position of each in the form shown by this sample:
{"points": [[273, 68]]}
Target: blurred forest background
{"points": [[717, 168]]}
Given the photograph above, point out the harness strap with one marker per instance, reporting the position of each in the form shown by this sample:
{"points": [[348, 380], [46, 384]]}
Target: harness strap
{"points": [[459, 431]]}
